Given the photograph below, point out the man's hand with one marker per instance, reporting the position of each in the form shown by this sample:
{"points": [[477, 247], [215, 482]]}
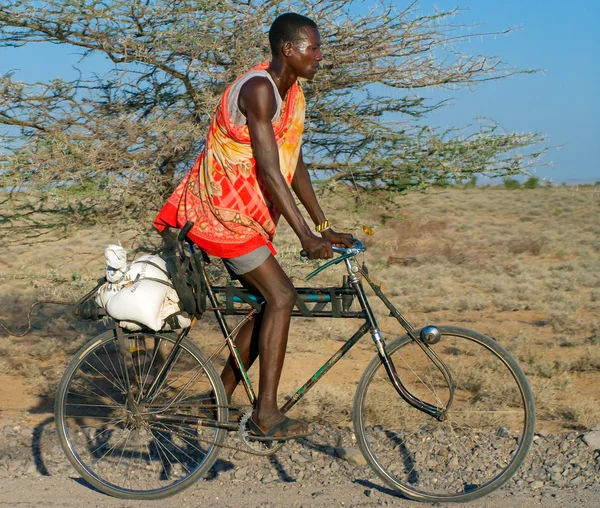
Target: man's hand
{"points": [[345, 239], [316, 248]]}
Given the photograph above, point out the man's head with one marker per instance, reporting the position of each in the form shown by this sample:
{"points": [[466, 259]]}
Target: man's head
{"points": [[296, 38]]}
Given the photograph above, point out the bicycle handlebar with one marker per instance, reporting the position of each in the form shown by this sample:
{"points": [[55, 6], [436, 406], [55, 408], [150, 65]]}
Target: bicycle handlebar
{"points": [[355, 249]]}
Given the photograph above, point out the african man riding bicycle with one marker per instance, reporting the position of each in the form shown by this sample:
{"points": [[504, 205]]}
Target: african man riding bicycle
{"points": [[236, 192]]}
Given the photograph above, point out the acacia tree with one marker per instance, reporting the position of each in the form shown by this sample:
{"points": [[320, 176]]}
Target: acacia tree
{"points": [[106, 145]]}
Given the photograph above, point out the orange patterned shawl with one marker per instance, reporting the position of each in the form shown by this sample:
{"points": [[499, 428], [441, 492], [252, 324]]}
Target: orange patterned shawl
{"points": [[223, 194]]}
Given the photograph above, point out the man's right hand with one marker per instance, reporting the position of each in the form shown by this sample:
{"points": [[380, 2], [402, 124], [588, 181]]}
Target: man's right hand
{"points": [[316, 247]]}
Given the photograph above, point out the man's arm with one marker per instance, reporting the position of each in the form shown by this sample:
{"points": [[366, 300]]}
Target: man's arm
{"points": [[306, 194], [304, 190], [257, 100]]}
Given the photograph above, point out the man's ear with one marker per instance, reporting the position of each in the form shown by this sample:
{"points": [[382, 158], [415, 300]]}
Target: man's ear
{"points": [[286, 49]]}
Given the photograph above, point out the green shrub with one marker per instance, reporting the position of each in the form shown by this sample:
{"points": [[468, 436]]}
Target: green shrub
{"points": [[511, 183], [401, 184], [531, 183]]}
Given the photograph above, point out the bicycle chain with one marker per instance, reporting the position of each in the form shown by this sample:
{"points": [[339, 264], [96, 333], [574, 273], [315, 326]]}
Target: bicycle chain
{"points": [[248, 449]]}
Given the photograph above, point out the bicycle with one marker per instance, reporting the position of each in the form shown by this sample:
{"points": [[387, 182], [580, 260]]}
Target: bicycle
{"points": [[440, 414]]}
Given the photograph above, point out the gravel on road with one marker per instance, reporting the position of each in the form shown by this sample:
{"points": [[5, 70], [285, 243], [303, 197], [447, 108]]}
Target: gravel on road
{"points": [[326, 470]]}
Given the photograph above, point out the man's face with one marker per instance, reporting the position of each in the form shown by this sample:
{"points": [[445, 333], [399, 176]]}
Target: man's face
{"points": [[305, 53]]}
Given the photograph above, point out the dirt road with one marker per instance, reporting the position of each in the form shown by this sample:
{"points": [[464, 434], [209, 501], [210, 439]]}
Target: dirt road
{"points": [[34, 472], [70, 491]]}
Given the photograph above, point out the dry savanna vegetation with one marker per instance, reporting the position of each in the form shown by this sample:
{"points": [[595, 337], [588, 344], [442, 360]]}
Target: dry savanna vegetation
{"points": [[521, 266]]}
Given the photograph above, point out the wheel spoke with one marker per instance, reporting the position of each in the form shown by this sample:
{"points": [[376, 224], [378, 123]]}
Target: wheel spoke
{"points": [[179, 448], [106, 394], [117, 383], [469, 453], [110, 359], [92, 392], [150, 367], [116, 445], [109, 380], [181, 436], [180, 395], [107, 451], [122, 453]]}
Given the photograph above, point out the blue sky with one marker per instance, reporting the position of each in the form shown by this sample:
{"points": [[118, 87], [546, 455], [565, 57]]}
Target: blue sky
{"points": [[562, 38]]}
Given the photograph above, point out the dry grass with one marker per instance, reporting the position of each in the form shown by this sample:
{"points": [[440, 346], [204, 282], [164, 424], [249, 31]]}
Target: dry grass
{"points": [[331, 404], [581, 414], [520, 266], [523, 267]]}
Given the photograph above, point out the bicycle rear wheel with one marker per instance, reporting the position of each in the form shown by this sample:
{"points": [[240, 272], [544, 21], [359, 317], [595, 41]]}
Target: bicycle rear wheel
{"points": [[485, 437], [133, 449]]}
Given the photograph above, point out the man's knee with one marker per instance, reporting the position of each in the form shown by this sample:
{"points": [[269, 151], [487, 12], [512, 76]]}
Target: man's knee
{"points": [[275, 286], [284, 299]]}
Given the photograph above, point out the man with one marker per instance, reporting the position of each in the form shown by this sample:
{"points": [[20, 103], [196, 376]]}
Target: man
{"points": [[238, 188]]}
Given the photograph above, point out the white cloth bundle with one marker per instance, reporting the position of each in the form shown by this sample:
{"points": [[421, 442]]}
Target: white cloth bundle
{"points": [[116, 263], [132, 297]]}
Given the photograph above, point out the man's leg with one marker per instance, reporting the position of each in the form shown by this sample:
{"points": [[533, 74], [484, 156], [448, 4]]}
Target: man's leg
{"points": [[246, 343], [280, 296]]}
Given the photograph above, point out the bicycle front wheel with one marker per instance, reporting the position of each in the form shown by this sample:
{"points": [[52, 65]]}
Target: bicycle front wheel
{"points": [[488, 428], [129, 446]]}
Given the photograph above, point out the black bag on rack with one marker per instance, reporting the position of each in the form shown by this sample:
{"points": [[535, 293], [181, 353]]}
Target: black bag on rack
{"points": [[185, 263], [86, 307]]}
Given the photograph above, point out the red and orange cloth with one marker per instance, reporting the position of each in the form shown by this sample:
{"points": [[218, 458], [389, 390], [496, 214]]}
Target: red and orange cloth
{"points": [[223, 194]]}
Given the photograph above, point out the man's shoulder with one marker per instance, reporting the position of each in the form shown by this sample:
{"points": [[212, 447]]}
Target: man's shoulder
{"points": [[260, 85], [258, 94]]}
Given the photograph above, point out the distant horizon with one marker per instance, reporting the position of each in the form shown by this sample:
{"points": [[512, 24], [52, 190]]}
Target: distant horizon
{"points": [[570, 182]]}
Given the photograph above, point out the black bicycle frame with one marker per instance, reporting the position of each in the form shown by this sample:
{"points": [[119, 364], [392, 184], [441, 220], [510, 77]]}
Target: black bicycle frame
{"points": [[332, 302], [316, 302]]}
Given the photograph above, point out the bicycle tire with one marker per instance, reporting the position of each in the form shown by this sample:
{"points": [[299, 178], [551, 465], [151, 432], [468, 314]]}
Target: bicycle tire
{"points": [[485, 438], [145, 458]]}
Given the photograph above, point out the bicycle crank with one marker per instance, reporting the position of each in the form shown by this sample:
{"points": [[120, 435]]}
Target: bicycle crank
{"points": [[256, 447]]}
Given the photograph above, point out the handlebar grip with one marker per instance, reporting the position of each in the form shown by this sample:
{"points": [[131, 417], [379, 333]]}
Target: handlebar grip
{"points": [[184, 231], [338, 250]]}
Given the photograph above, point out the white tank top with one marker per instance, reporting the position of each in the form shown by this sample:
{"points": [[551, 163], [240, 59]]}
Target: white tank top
{"points": [[235, 114]]}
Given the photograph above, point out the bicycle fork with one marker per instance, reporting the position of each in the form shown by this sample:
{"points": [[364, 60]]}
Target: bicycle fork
{"points": [[434, 411]]}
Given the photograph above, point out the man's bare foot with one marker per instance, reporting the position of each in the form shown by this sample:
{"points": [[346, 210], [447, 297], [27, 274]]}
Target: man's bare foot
{"points": [[282, 429]]}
